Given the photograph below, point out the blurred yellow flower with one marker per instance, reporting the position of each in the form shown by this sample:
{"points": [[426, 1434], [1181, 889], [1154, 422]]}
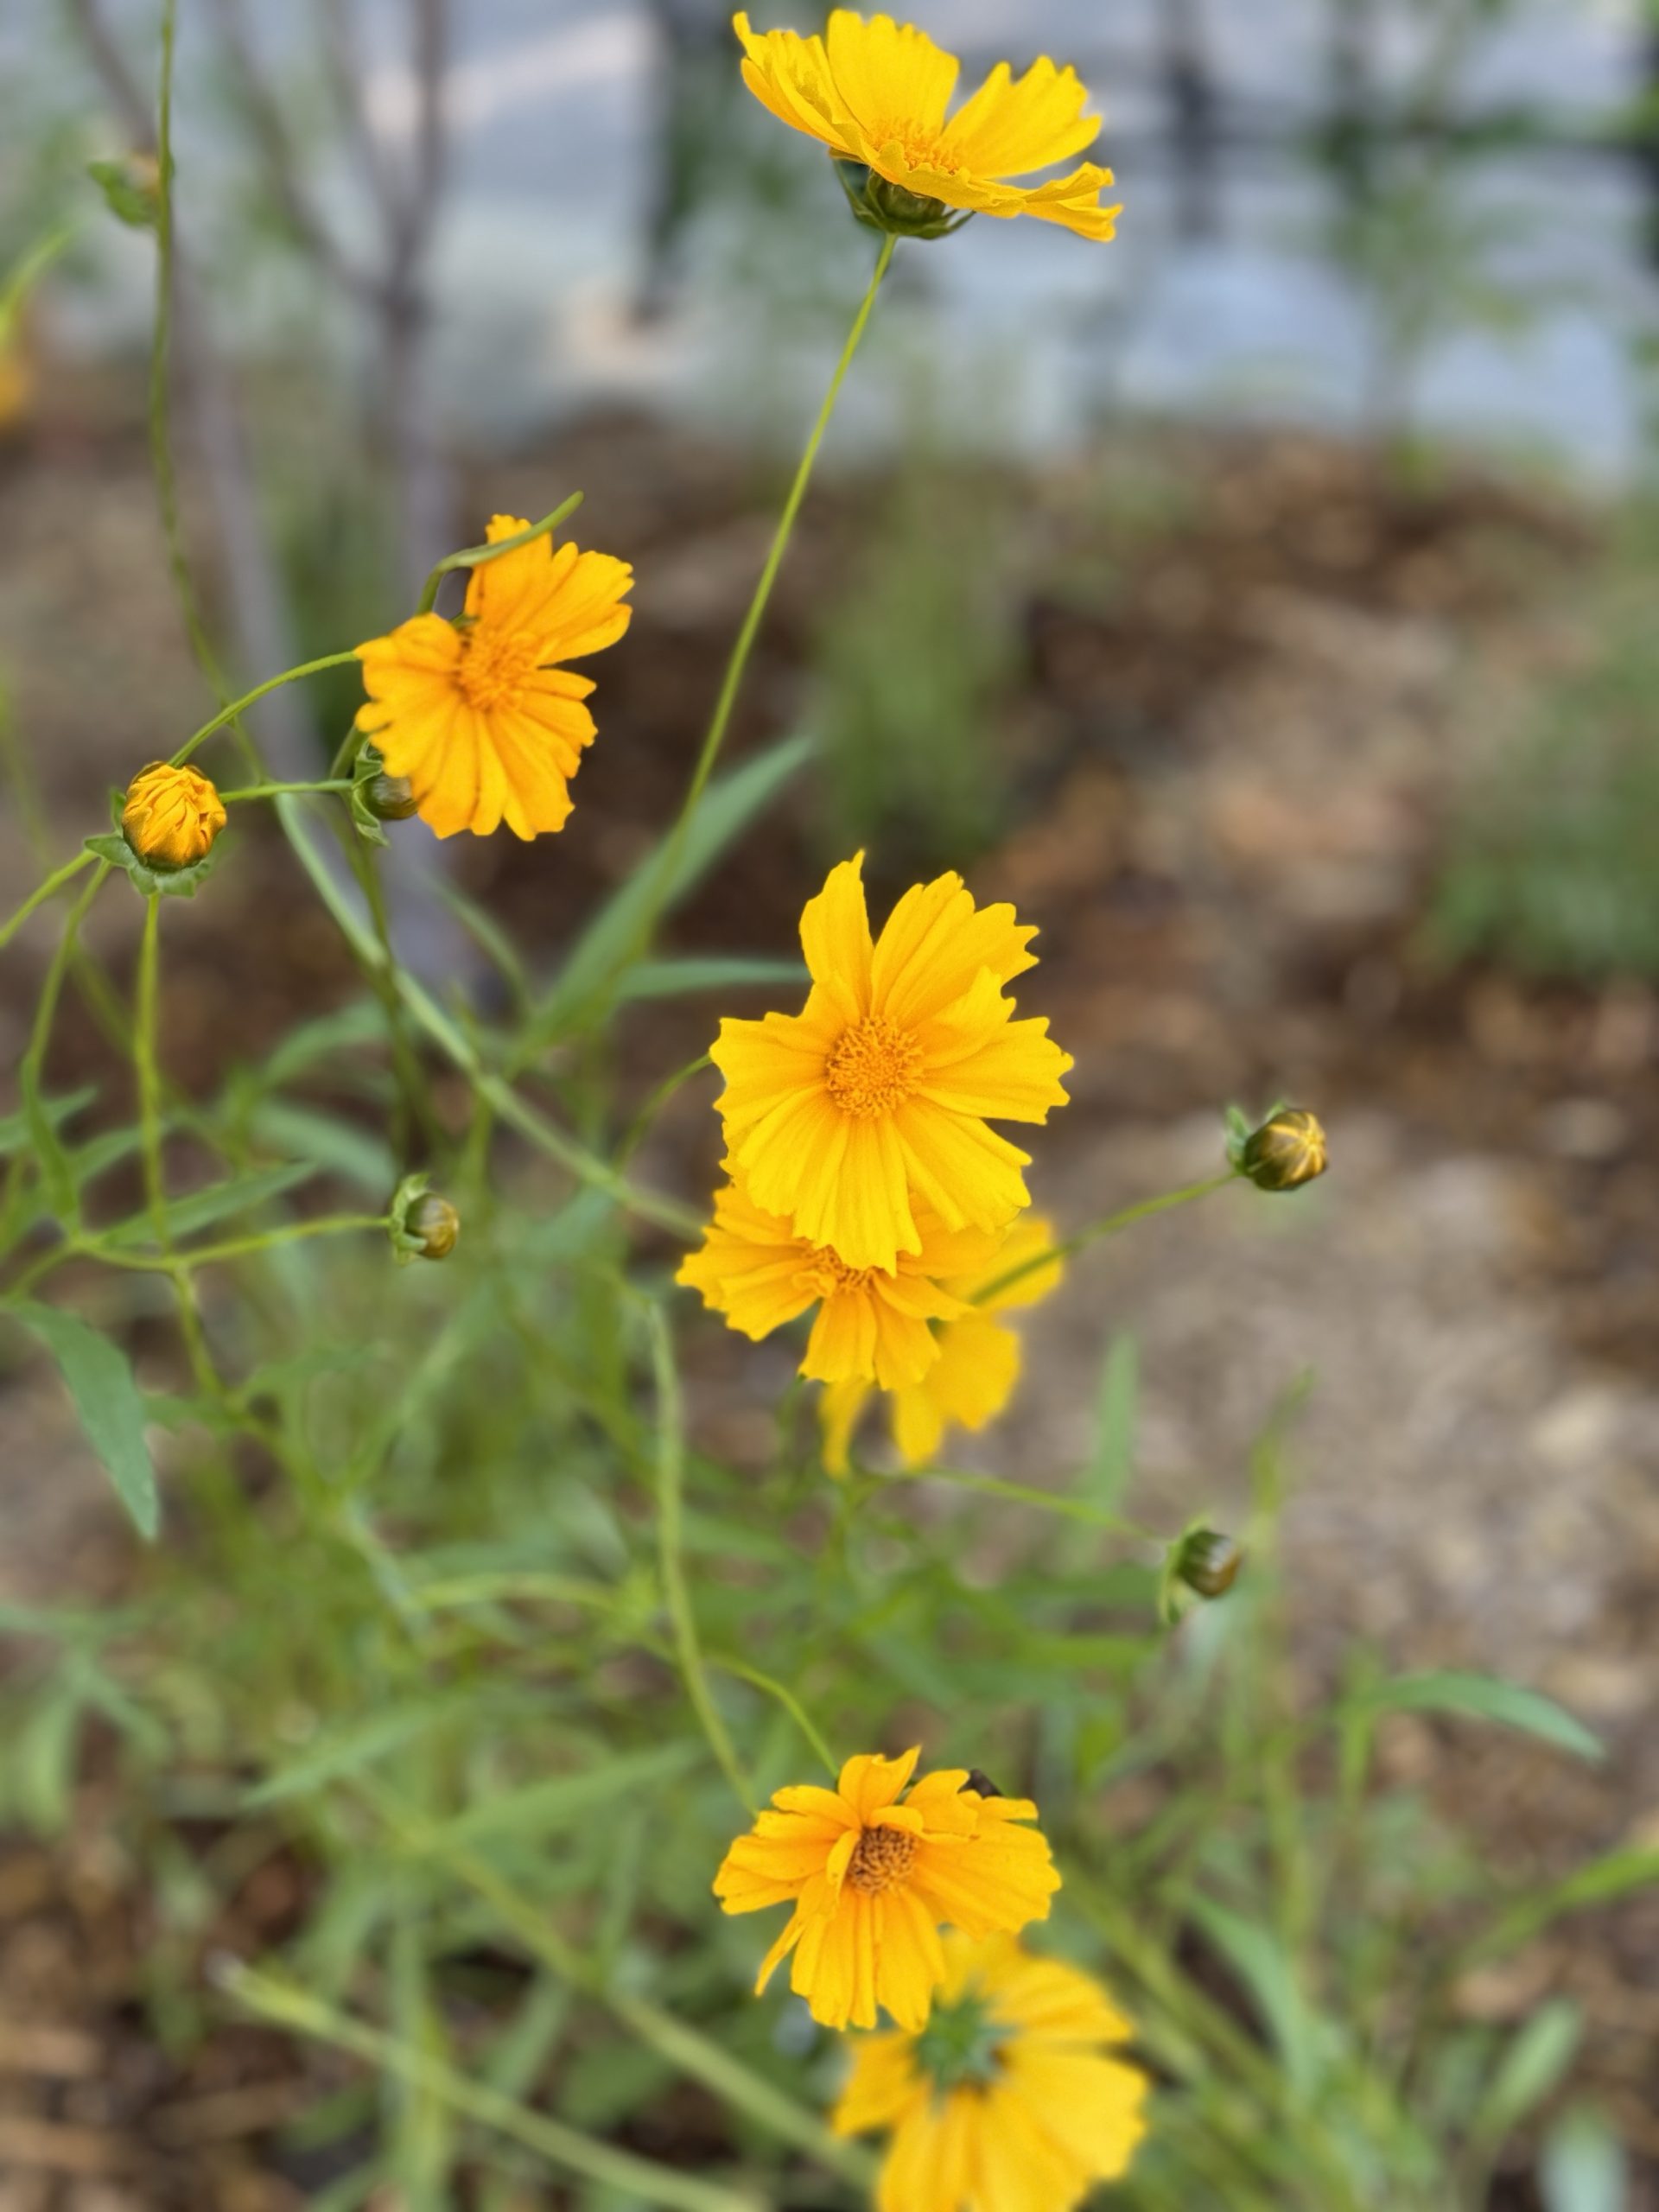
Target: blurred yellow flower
{"points": [[478, 713], [872, 1323], [876, 92], [172, 815], [1008, 2101], [876, 1096], [978, 1364], [17, 384], [872, 1880]]}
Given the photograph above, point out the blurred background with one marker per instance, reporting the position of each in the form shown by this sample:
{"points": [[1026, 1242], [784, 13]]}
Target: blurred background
{"points": [[1264, 601]]}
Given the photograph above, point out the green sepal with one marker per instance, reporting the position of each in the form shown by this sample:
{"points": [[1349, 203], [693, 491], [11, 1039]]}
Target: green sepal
{"points": [[405, 1246], [891, 209], [1241, 1127], [364, 821], [154, 882], [132, 197]]}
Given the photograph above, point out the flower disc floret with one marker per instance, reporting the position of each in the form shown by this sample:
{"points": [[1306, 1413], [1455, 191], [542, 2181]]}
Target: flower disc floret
{"points": [[874, 1869], [480, 715], [877, 94], [874, 1101]]}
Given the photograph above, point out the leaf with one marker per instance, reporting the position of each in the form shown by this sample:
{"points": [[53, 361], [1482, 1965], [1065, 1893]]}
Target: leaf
{"points": [[1612, 1876], [345, 1750], [1535, 2063], [362, 1022], [614, 935], [669, 979], [1582, 2167], [106, 1398], [156, 882], [15, 1127], [199, 1209], [1258, 1959], [1111, 1463], [1485, 1697], [542, 1808], [355, 1154], [130, 193]]}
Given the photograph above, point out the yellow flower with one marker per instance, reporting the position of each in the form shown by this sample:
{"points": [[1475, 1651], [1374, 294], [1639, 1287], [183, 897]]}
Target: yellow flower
{"points": [[978, 1364], [1008, 2101], [872, 1323], [477, 714], [876, 1096], [876, 92], [872, 1880], [172, 815]]}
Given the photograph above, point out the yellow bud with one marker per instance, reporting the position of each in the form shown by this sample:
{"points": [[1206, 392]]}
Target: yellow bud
{"points": [[434, 1225], [1287, 1151], [172, 815]]}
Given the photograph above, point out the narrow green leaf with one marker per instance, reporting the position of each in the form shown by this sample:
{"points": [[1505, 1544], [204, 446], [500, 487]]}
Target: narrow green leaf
{"points": [[1256, 1956], [1111, 1465], [362, 1022], [347, 1750], [355, 1154], [1583, 2167], [1485, 1697], [611, 939], [199, 1209], [1535, 2063], [671, 979], [1614, 1875], [543, 1807], [15, 1127], [106, 1398]]}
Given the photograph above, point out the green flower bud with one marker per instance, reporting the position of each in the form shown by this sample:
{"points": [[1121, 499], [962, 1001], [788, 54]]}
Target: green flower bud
{"points": [[1209, 1562], [390, 798], [1287, 1150], [890, 208]]}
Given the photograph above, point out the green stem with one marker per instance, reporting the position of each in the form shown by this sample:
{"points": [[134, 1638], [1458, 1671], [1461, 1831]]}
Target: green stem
{"points": [[144, 1065], [478, 556], [622, 2172], [1109, 1226], [291, 1232], [671, 1517], [715, 737], [39, 896], [279, 791], [639, 1128], [1070, 1509], [229, 714]]}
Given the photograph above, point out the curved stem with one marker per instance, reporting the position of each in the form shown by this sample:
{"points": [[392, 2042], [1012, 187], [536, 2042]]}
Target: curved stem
{"points": [[229, 714], [1109, 1226], [478, 556], [42, 892], [280, 791], [671, 1514]]}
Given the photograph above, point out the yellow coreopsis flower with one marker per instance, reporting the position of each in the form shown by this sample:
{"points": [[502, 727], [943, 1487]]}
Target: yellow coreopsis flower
{"points": [[872, 1880], [171, 816], [978, 1361], [479, 715], [872, 1323], [876, 92], [877, 1096], [1010, 2101]]}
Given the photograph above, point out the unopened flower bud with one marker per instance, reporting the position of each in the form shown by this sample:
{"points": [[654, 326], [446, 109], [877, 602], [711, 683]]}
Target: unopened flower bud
{"points": [[390, 798], [171, 816], [432, 1225], [1209, 1562], [890, 208], [1287, 1151]]}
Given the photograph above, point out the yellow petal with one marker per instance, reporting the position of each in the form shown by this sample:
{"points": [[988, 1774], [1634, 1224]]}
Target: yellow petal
{"points": [[968, 1173], [1009, 126], [869, 1783], [888, 74], [791, 75], [934, 944], [835, 939]]}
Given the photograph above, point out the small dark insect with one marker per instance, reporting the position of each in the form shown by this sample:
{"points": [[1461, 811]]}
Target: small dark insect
{"points": [[980, 1781]]}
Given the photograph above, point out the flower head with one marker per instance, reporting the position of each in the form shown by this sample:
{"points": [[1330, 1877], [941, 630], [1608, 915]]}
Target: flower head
{"points": [[872, 1880], [171, 816], [1010, 2100], [876, 1096], [479, 715], [876, 92], [978, 1359], [1288, 1150], [872, 1323]]}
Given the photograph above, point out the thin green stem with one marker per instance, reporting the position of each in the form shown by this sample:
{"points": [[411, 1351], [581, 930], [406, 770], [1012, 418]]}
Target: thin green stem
{"points": [[478, 556], [622, 2172], [786, 1698], [639, 1128], [1070, 1509], [229, 714], [1109, 1225], [670, 1532], [32, 1069], [42, 891], [280, 790], [144, 1065], [237, 1248], [731, 684]]}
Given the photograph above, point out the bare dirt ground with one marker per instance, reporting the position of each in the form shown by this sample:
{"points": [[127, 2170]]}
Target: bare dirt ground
{"points": [[1234, 765]]}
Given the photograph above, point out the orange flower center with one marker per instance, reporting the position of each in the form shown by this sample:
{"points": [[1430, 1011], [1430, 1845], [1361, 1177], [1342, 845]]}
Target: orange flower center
{"points": [[872, 1068], [918, 150], [827, 1275], [881, 1858], [494, 665]]}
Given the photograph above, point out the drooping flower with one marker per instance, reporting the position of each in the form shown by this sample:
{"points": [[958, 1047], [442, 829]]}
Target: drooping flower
{"points": [[878, 1094], [872, 1880], [872, 1323], [1010, 2100], [876, 92], [979, 1359], [171, 816], [480, 715]]}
